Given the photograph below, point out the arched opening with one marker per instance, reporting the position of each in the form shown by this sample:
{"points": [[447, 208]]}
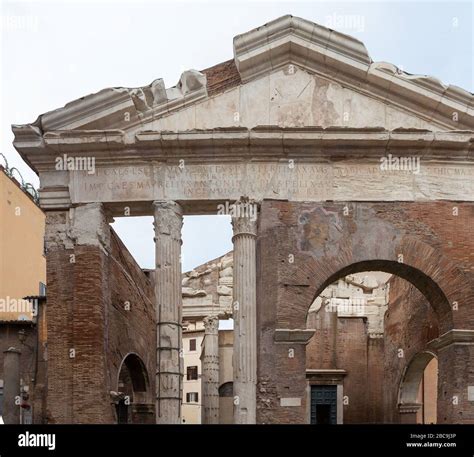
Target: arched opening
{"points": [[368, 327], [226, 405], [133, 400], [418, 390], [429, 288]]}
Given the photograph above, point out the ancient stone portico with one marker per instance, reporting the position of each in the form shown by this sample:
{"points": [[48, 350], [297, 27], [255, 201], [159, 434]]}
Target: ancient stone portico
{"points": [[330, 165]]}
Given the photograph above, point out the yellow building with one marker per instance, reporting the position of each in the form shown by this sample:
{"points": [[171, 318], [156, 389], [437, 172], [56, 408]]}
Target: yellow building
{"points": [[22, 259]]}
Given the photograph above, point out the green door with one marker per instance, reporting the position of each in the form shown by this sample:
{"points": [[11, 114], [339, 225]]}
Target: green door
{"points": [[323, 404]]}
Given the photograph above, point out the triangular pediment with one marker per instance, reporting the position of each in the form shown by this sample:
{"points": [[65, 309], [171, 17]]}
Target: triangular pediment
{"points": [[287, 73]]}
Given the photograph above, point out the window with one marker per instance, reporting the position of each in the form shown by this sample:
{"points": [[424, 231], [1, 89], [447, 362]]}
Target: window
{"points": [[192, 344], [192, 397], [42, 289], [191, 373]]}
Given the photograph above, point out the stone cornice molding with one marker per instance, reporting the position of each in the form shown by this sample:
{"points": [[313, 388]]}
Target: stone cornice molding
{"points": [[121, 107], [260, 143], [293, 336], [196, 311], [325, 374], [292, 40], [454, 336], [409, 408], [285, 41]]}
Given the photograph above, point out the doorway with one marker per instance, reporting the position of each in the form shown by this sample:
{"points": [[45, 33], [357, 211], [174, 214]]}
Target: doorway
{"points": [[323, 405]]}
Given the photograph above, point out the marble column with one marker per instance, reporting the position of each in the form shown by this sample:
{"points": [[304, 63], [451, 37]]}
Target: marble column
{"points": [[11, 386], [169, 364], [245, 314], [210, 371]]}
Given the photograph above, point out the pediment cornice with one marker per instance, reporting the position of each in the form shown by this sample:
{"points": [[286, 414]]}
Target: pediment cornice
{"points": [[328, 53], [284, 41], [264, 143]]}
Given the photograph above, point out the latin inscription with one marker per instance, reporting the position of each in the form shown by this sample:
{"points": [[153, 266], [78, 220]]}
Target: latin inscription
{"points": [[299, 181]]}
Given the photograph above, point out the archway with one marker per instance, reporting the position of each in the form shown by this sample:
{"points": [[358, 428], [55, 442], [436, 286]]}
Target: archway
{"points": [[424, 283], [315, 244], [416, 389], [133, 400], [226, 398], [367, 327]]}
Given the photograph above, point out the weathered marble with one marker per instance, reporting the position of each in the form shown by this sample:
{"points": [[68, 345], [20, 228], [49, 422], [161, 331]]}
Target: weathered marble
{"points": [[298, 182], [245, 320], [210, 371], [169, 375]]}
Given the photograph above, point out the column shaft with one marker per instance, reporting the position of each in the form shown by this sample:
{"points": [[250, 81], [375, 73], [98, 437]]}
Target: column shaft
{"points": [[210, 371], [245, 318], [169, 375]]}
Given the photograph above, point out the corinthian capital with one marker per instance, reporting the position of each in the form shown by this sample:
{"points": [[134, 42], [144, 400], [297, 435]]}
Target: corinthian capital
{"points": [[211, 324], [244, 216], [168, 218]]}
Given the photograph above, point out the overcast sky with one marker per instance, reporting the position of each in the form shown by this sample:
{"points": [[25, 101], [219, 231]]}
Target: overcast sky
{"points": [[54, 52]]}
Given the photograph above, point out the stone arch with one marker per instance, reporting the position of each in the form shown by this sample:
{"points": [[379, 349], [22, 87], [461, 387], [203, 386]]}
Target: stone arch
{"points": [[138, 373]]}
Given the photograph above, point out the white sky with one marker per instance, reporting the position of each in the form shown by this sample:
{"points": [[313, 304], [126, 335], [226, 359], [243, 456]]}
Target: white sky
{"points": [[54, 52]]}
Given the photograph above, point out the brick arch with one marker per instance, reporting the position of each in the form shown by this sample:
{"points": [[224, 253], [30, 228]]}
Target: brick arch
{"points": [[140, 408], [412, 375], [304, 246], [332, 238], [438, 279], [429, 288], [138, 373]]}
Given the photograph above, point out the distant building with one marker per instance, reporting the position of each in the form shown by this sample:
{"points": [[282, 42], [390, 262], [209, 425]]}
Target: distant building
{"points": [[207, 292], [193, 334], [22, 259]]}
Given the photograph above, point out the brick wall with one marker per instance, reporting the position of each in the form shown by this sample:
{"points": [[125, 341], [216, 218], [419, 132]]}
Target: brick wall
{"points": [[410, 323], [132, 319], [86, 312], [344, 344], [425, 243]]}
